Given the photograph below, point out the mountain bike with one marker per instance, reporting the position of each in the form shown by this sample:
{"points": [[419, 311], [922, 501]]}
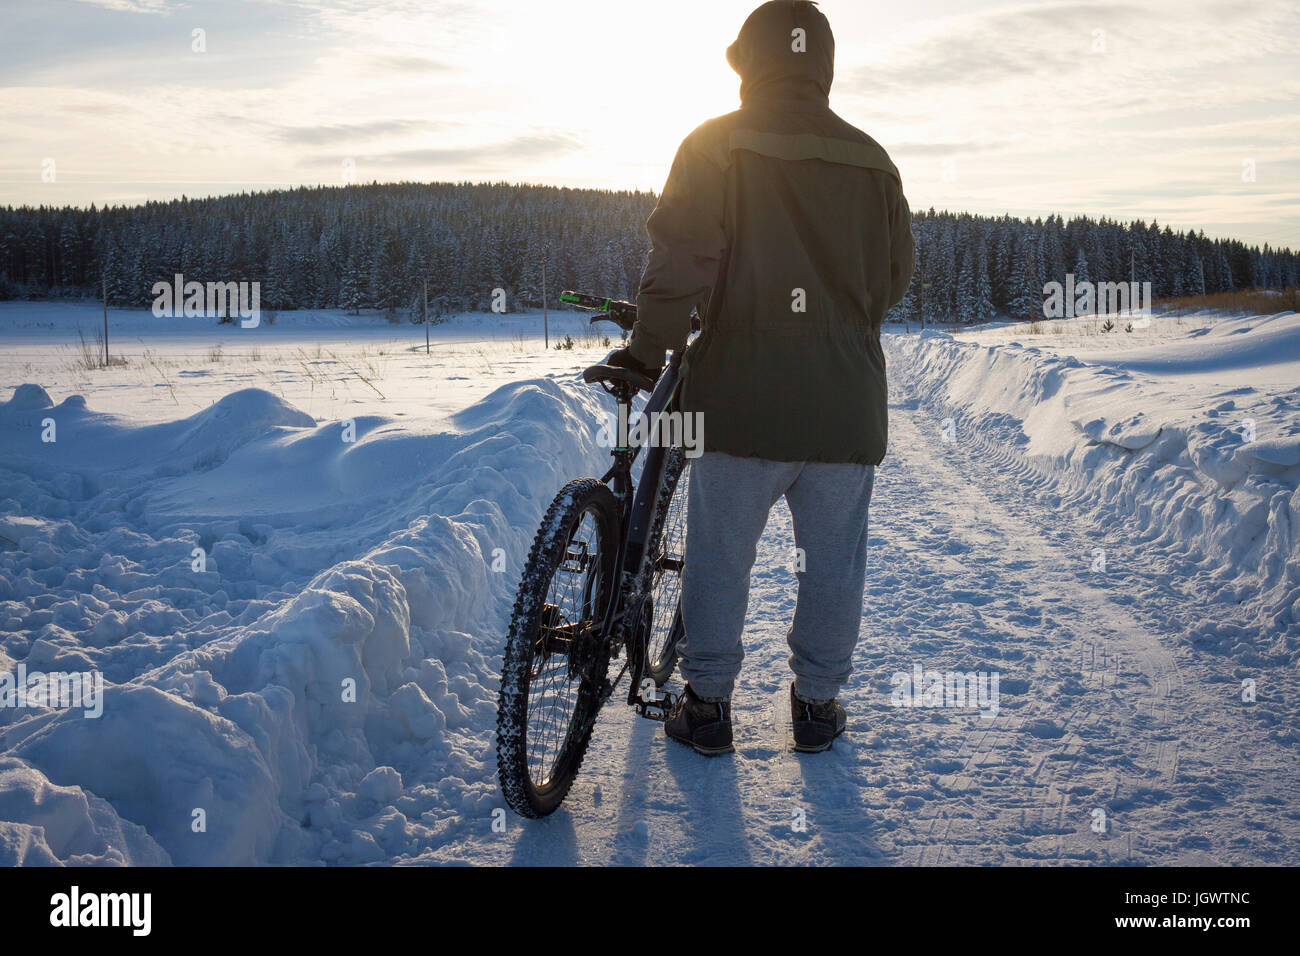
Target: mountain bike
{"points": [[603, 579]]}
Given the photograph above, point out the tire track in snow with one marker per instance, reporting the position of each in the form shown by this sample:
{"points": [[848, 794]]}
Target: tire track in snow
{"points": [[1167, 706]]}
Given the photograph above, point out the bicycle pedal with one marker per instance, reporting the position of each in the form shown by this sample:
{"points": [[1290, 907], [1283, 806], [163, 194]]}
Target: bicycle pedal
{"points": [[656, 709]]}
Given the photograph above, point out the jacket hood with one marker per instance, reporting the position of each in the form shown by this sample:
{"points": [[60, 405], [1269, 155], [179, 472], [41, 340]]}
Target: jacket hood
{"points": [[771, 68]]}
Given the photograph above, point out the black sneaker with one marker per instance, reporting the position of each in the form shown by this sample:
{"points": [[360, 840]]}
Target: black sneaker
{"points": [[703, 726], [815, 725]]}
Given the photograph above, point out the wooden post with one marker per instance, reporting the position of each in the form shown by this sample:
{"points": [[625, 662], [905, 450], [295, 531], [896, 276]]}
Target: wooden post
{"points": [[546, 323], [104, 277], [426, 316]]}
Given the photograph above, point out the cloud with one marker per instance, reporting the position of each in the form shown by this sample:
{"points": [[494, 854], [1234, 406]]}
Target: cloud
{"points": [[132, 6], [1008, 43], [1059, 42], [98, 109], [499, 154], [936, 148], [407, 64], [333, 133]]}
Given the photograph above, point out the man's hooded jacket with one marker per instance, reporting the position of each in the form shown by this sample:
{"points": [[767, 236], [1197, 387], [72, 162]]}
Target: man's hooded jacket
{"points": [[788, 228]]}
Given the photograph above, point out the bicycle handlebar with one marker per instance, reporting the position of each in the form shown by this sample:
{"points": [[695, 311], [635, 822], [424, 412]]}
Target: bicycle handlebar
{"points": [[619, 311]]}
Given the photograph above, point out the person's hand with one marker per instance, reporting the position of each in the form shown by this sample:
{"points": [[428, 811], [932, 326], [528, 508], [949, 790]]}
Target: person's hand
{"points": [[622, 358]]}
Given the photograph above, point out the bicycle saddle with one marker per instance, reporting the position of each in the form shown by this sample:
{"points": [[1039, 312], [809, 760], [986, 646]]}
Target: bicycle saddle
{"points": [[614, 373]]}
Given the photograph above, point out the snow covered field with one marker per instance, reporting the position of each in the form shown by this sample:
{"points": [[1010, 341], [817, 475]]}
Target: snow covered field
{"points": [[327, 363], [279, 547]]}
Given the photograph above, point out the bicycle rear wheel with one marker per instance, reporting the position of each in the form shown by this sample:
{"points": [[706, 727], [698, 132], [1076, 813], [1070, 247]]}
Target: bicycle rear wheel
{"points": [[556, 657], [668, 547]]}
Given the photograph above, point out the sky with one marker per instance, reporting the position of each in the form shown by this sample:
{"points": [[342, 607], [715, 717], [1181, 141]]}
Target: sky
{"points": [[1185, 111]]}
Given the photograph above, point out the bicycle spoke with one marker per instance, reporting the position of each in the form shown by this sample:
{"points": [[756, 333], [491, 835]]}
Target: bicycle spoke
{"points": [[555, 693], [666, 584]]}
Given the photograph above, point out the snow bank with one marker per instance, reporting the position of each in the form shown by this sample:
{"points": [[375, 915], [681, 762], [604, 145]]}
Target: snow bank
{"points": [[1203, 470], [299, 633], [64, 825]]}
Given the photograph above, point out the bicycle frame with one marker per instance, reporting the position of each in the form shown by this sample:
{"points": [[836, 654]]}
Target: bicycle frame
{"points": [[637, 515]]}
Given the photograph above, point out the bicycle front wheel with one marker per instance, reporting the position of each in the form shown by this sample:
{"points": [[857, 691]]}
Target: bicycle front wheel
{"points": [[556, 658], [668, 552]]}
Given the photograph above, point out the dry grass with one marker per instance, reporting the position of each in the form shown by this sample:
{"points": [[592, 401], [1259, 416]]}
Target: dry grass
{"points": [[482, 354], [593, 337], [91, 355], [353, 369], [1258, 301], [152, 360]]}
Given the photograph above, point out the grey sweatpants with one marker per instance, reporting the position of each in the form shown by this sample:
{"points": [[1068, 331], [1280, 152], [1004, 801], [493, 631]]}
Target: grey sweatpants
{"points": [[728, 503]]}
